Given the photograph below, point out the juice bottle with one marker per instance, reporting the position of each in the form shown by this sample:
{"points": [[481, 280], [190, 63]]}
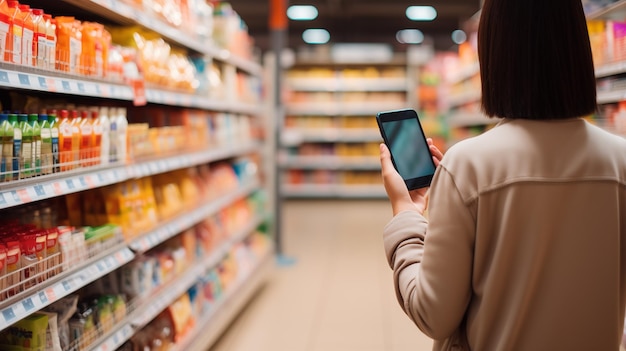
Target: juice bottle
{"points": [[76, 136], [28, 35], [96, 140], [86, 138], [33, 120], [88, 53], [12, 151], [113, 136], [40, 44], [5, 25], [54, 134], [47, 162], [76, 47], [65, 141], [105, 144], [26, 159], [122, 134], [17, 29], [51, 41], [64, 25], [6, 145]]}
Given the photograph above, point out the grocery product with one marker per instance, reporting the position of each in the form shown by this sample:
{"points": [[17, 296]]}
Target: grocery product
{"points": [[5, 26], [47, 158], [51, 42], [16, 33], [40, 45], [28, 35], [28, 334], [33, 121], [87, 145], [26, 158], [66, 141], [54, 139]]}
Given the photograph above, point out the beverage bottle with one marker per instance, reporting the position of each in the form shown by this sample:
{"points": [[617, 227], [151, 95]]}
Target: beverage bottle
{"points": [[17, 30], [66, 141], [113, 137], [40, 44], [54, 138], [33, 120], [47, 161], [122, 134], [76, 135], [14, 126], [5, 147], [51, 41], [65, 41], [5, 26], [96, 140], [105, 143], [86, 138], [28, 35], [26, 159]]}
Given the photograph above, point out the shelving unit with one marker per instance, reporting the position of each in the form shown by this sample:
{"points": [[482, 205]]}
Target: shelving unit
{"points": [[27, 191], [329, 141]]}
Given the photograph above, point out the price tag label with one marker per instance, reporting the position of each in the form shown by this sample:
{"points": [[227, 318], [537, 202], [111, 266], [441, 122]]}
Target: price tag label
{"points": [[4, 77], [81, 88], [139, 92], [83, 182], [51, 84], [15, 196], [51, 295], [28, 304], [39, 190], [101, 267], [70, 184], [89, 181], [2, 200], [116, 338], [42, 83], [119, 257], [109, 263], [24, 79], [66, 286], [101, 178], [8, 314], [58, 189], [43, 298], [66, 86]]}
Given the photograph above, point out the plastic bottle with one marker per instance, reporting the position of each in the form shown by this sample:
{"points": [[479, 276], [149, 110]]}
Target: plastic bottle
{"points": [[17, 30], [88, 52], [122, 134], [28, 35], [113, 137], [96, 140], [64, 28], [54, 133], [40, 44], [17, 147], [76, 47], [6, 145], [5, 25], [76, 136], [47, 161], [86, 139], [26, 159], [51, 41], [65, 141], [33, 120], [105, 144]]}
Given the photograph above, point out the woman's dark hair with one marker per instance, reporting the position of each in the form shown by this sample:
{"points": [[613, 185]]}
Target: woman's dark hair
{"points": [[535, 59]]}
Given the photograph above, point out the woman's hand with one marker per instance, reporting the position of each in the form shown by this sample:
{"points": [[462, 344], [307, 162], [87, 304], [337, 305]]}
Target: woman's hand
{"points": [[401, 198]]}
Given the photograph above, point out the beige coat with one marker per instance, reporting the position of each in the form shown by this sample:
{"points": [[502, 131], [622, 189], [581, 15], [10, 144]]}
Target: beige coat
{"points": [[525, 241]]}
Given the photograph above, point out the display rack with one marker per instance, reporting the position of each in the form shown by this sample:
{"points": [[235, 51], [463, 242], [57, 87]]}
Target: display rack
{"points": [[348, 95], [17, 193]]}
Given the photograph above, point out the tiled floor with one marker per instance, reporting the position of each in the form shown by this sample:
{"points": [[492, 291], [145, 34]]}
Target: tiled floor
{"points": [[338, 296]]}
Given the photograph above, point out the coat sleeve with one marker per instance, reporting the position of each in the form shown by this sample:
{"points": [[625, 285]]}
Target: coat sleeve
{"points": [[432, 259]]}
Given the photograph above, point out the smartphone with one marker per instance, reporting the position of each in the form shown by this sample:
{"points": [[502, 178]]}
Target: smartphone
{"points": [[403, 134]]}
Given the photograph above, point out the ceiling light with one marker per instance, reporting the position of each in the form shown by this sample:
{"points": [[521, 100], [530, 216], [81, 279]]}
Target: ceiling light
{"points": [[421, 13], [316, 36], [302, 12], [459, 37], [410, 36]]}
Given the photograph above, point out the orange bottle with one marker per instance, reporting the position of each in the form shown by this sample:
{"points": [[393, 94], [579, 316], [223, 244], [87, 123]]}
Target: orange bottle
{"points": [[66, 141], [86, 139], [64, 27], [76, 137], [88, 53], [17, 28], [96, 141], [28, 35], [40, 45], [5, 26], [51, 41]]}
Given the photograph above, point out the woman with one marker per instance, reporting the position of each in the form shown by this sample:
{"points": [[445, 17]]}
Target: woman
{"points": [[524, 247]]}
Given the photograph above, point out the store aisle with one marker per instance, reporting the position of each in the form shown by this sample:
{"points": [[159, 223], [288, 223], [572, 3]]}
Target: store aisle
{"points": [[338, 296]]}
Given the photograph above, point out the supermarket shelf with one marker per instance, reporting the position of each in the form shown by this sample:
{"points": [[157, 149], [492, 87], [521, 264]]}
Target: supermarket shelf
{"points": [[296, 136], [348, 84], [210, 327], [189, 219], [338, 109], [63, 285], [611, 69], [44, 187], [332, 163], [465, 97], [608, 97], [172, 98], [122, 13], [334, 191], [465, 73], [115, 339], [462, 119], [616, 11], [21, 77]]}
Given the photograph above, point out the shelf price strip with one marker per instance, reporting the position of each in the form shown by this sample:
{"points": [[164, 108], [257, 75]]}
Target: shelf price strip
{"points": [[116, 340], [66, 286]]}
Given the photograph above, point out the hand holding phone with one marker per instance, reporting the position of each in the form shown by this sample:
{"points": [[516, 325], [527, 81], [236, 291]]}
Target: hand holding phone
{"points": [[410, 152]]}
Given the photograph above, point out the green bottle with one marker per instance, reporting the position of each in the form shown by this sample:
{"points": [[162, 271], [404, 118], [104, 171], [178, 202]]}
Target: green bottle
{"points": [[46, 145], [54, 134], [17, 147], [33, 120], [4, 121], [27, 163]]}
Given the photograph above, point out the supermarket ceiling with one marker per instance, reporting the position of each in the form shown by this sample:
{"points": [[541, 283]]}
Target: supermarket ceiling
{"points": [[358, 21]]}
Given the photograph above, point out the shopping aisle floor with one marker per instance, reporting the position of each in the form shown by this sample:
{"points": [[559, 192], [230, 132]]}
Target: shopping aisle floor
{"points": [[337, 296]]}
